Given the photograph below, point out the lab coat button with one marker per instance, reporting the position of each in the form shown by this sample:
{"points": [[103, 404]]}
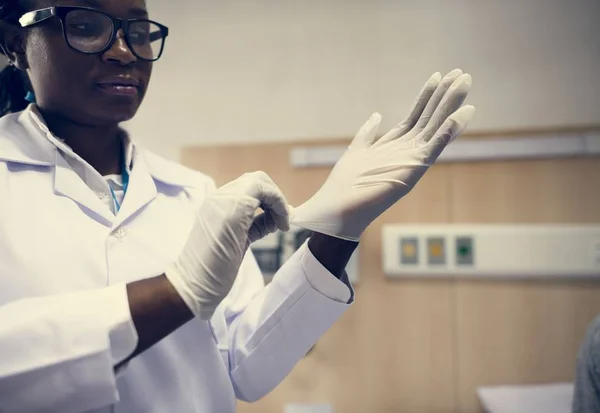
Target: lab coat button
{"points": [[120, 233]]}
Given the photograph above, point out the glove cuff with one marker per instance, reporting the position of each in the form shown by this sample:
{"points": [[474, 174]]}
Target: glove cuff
{"points": [[199, 309], [303, 217]]}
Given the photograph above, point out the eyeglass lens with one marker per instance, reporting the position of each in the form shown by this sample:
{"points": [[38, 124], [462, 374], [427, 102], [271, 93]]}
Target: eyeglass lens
{"points": [[90, 32]]}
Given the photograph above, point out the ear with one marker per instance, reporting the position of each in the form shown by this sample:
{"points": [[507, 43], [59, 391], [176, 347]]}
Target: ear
{"points": [[12, 45]]}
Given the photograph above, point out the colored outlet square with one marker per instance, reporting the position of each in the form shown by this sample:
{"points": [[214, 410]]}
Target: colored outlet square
{"points": [[436, 251], [409, 251], [465, 251]]}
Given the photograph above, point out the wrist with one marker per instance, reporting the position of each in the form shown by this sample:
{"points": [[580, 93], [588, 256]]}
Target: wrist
{"points": [[200, 299], [333, 253], [175, 301]]}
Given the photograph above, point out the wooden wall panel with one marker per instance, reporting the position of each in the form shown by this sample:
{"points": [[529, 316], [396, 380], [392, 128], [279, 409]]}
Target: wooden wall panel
{"points": [[423, 346], [408, 320], [526, 191]]}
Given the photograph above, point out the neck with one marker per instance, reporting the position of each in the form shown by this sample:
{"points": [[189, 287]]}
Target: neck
{"points": [[99, 146]]}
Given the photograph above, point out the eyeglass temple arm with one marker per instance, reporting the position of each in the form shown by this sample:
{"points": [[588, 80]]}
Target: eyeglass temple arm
{"points": [[154, 36], [37, 16]]}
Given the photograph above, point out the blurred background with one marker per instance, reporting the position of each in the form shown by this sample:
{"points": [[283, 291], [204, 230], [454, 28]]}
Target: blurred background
{"points": [[282, 86]]}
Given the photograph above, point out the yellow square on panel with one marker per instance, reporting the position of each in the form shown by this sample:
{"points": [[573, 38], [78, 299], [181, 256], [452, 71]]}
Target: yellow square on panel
{"points": [[436, 249], [409, 250]]}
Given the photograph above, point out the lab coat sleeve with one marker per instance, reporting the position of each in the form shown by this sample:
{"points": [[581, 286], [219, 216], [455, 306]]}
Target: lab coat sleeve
{"points": [[263, 332], [57, 353]]}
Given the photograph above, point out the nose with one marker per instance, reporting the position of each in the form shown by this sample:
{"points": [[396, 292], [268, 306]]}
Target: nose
{"points": [[119, 52]]}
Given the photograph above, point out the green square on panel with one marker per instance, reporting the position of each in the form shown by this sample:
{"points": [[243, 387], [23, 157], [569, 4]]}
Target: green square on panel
{"points": [[465, 253]]}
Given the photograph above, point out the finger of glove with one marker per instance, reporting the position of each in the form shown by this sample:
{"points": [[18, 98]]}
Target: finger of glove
{"points": [[272, 201], [367, 134], [260, 186], [416, 110], [436, 99], [451, 102], [262, 225], [449, 131]]}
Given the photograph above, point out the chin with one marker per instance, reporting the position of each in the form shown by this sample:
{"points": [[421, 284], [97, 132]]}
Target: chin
{"points": [[106, 109], [108, 120], [116, 114], [123, 117]]}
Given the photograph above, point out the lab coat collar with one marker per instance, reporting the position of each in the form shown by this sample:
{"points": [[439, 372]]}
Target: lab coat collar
{"points": [[167, 172], [68, 184], [22, 141], [25, 139], [142, 190]]}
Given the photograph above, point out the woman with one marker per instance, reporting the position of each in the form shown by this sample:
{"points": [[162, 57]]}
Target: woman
{"points": [[126, 281]]}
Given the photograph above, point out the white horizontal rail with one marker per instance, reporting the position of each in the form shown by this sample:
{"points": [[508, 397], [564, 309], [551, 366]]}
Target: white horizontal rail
{"points": [[500, 149]]}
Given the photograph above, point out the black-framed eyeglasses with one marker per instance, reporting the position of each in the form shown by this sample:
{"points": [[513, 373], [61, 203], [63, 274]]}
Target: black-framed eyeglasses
{"points": [[92, 31]]}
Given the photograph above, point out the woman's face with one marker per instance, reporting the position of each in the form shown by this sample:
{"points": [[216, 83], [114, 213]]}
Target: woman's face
{"points": [[82, 87]]}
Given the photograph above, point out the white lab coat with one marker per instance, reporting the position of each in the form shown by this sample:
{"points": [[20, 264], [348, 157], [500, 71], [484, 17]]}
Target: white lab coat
{"points": [[65, 259]]}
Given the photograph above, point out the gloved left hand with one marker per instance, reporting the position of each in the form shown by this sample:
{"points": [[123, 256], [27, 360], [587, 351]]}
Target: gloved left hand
{"points": [[224, 228], [374, 173]]}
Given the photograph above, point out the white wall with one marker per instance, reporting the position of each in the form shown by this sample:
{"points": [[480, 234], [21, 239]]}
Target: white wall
{"points": [[261, 70]]}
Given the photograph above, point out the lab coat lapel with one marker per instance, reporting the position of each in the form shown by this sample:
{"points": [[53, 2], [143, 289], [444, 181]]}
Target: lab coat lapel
{"points": [[141, 191], [67, 183]]}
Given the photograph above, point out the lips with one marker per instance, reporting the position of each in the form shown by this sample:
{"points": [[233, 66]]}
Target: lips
{"points": [[120, 81], [120, 86]]}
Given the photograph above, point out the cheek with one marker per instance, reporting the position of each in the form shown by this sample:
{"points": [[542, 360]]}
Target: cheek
{"points": [[57, 83], [52, 66], [147, 73]]}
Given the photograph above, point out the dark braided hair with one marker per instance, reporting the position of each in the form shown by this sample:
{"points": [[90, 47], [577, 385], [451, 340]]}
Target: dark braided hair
{"points": [[13, 83]]}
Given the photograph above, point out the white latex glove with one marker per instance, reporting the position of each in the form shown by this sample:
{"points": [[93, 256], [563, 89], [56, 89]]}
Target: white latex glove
{"points": [[225, 226], [374, 174]]}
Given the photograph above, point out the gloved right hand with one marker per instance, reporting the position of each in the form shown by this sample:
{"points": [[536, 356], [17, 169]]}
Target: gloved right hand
{"points": [[376, 172], [225, 227]]}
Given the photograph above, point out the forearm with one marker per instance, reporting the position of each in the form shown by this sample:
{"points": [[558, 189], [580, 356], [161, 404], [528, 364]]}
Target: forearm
{"points": [[333, 253], [157, 310]]}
